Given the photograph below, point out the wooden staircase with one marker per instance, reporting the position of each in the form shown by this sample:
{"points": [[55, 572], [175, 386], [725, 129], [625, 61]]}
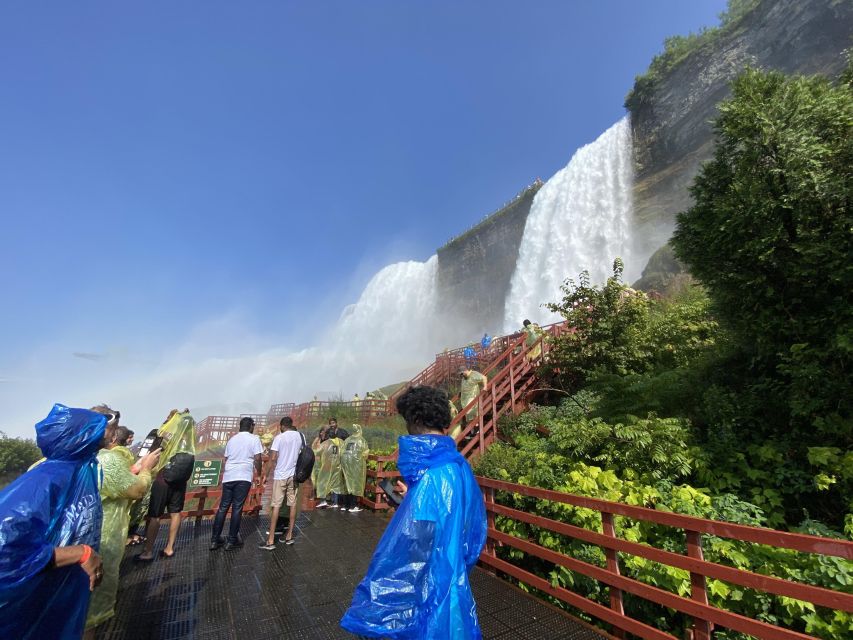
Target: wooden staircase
{"points": [[511, 377]]}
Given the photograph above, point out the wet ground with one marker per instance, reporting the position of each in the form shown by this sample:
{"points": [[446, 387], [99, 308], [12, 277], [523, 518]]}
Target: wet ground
{"points": [[296, 592]]}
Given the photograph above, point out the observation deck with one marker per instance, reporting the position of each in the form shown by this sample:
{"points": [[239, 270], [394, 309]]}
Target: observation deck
{"points": [[297, 592]]}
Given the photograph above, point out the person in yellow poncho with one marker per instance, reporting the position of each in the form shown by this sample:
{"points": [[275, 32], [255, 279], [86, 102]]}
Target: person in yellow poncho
{"points": [[454, 433], [316, 448], [532, 333], [354, 466], [267, 437], [330, 477], [171, 474], [120, 487]]}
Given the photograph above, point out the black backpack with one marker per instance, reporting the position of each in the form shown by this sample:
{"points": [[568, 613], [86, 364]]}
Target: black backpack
{"points": [[305, 462], [179, 469]]}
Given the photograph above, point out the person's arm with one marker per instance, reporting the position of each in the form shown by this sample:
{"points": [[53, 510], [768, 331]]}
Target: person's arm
{"points": [[258, 464], [85, 556], [138, 490], [271, 464]]}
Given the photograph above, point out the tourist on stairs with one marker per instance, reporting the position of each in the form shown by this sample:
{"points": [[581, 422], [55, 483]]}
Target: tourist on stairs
{"points": [[473, 383], [532, 333]]}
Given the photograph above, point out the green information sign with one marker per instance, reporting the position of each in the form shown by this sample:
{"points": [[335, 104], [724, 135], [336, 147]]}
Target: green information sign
{"points": [[206, 473]]}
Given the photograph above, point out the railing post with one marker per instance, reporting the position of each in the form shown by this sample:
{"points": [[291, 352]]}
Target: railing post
{"points": [[512, 386], [489, 497], [377, 492], [202, 498], [613, 566], [698, 591], [480, 421], [494, 432]]}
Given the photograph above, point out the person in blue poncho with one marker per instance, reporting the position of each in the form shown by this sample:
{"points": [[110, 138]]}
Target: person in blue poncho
{"points": [[50, 527], [417, 583]]}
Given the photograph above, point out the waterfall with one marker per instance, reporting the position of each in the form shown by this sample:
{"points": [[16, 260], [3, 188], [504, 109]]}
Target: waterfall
{"points": [[393, 324], [581, 219]]}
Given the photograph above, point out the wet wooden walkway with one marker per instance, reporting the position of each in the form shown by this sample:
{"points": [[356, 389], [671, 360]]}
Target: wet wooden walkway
{"points": [[297, 592]]}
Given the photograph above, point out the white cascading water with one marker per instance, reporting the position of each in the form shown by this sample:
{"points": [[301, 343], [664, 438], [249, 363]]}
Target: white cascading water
{"points": [[581, 219], [393, 324]]}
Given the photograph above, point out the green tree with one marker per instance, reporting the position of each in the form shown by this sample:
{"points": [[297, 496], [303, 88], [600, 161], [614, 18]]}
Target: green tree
{"points": [[771, 237], [770, 233], [16, 455], [607, 322]]}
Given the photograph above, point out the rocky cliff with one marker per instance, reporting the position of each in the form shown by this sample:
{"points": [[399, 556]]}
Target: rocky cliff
{"points": [[673, 136], [672, 127], [474, 269]]}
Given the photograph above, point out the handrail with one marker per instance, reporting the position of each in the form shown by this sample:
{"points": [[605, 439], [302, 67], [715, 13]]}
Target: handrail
{"points": [[745, 533], [704, 615], [506, 392]]}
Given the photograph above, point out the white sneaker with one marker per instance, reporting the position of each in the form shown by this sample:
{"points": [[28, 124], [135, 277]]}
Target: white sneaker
{"points": [[322, 505], [356, 510]]}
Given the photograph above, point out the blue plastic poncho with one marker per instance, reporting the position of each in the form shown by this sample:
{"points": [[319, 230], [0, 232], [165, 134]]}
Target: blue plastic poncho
{"points": [[417, 583], [55, 504]]}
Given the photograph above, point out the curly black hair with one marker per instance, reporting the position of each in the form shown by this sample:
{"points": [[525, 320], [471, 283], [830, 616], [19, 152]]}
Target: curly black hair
{"points": [[424, 409]]}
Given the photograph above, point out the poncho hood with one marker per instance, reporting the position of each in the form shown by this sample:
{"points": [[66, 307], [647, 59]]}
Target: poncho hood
{"points": [[70, 434], [419, 453]]}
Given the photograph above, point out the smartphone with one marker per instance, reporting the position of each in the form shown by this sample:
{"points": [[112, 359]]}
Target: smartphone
{"points": [[387, 485], [151, 443]]}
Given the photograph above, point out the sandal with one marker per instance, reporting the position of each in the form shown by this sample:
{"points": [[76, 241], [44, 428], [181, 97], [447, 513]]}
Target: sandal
{"points": [[163, 554]]}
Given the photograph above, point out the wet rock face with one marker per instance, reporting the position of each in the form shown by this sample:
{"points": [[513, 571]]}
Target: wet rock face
{"points": [[475, 269], [672, 129]]}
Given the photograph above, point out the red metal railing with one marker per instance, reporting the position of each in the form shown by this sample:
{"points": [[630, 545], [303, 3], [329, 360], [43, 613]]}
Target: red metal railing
{"points": [[511, 376], [364, 412], [443, 369], [704, 615], [207, 502]]}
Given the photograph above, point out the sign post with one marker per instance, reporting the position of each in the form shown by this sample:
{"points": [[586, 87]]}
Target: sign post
{"points": [[206, 473]]}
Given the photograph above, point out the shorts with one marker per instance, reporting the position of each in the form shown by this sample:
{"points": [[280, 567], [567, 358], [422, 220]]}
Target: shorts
{"points": [[166, 497], [280, 488]]}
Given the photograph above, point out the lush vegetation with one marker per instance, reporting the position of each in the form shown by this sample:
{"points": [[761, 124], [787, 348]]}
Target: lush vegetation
{"points": [[677, 48], [731, 399], [16, 456]]}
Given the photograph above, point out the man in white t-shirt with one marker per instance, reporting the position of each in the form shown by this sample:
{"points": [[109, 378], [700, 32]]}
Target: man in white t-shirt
{"points": [[283, 454], [242, 460]]}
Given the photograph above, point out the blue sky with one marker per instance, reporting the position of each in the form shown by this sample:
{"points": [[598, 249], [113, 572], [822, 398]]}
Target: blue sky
{"points": [[231, 175]]}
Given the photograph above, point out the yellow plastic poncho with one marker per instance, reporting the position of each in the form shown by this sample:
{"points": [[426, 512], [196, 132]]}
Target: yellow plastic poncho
{"points": [[354, 462], [178, 437], [454, 433], [470, 389], [119, 489], [330, 477], [531, 335], [266, 439]]}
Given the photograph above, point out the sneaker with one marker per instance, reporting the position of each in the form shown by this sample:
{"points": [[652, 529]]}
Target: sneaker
{"points": [[322, 505], [356, 510], [233, 545], [215, 544], [266, 547]]}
